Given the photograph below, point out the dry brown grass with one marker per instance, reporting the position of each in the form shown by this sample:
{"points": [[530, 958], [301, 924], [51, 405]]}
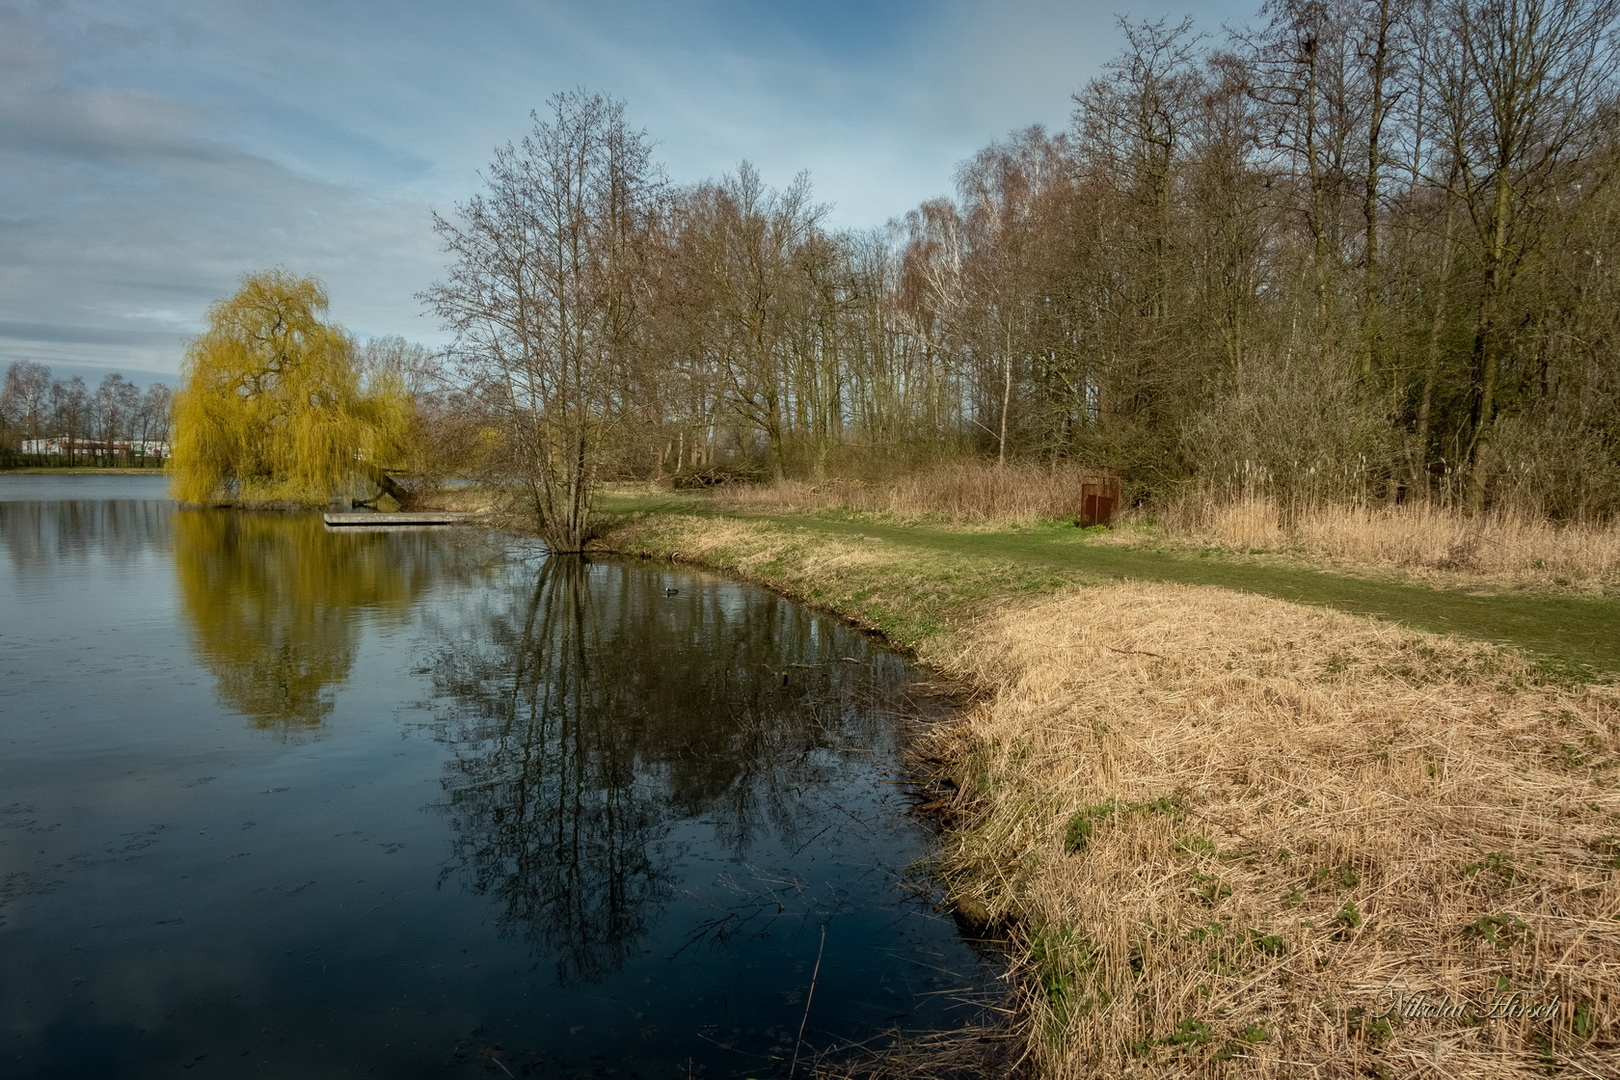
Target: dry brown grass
{"points": [[1220, 824], [970, 491], [974, 1051], [1424, 540], [472, 499]]}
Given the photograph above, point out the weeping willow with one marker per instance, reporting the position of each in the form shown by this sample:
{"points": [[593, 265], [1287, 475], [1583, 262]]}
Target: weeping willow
{"points": [[271, 409]]}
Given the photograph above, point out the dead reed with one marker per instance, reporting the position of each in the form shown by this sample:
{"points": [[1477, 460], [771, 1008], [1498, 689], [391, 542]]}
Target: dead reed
{"points": [[474, 498], [1422, 539]]}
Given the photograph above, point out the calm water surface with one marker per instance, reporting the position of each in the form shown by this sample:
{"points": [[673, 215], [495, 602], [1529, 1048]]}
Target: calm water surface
{"points": [[283, 802]]}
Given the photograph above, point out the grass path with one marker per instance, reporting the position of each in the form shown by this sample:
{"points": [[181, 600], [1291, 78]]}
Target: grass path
{"points": [[1576, 634]]}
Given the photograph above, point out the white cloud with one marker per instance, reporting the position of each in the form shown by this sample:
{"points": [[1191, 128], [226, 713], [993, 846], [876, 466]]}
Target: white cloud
{"points": [[119, 213]]}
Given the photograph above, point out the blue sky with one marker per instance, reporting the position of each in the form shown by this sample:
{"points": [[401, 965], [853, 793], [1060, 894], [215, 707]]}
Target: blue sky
{"points": [[153, 151]]}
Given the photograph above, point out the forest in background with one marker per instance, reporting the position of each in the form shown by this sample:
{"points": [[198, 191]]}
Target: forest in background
{"points": [[1360, 252], [89, 423]]}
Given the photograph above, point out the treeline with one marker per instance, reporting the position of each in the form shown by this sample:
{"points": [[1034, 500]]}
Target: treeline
{"points": [[1363, 251], [88, 423]]}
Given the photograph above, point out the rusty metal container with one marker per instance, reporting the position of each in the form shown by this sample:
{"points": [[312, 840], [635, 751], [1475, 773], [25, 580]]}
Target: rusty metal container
{"points": [[1101, 499]]}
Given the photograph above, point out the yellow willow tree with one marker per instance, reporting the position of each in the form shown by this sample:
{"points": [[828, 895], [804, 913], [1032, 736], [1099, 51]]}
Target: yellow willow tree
{"points": [[271, 407]]}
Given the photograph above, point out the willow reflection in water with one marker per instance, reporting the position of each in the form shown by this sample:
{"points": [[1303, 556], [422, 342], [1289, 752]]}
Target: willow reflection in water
{"points": [[602, 732], [274, 603]]}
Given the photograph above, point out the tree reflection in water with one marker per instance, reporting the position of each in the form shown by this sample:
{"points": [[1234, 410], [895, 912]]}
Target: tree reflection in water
{"points": [[42, 535], [542, 785], [273, 602], [591, 715]]}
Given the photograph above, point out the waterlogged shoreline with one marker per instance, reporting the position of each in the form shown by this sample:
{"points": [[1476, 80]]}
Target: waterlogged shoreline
{"points": [[1223, 832]]}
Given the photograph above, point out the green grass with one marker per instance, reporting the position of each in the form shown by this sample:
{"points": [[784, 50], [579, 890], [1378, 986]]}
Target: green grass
{"points": [[1572, 636]]}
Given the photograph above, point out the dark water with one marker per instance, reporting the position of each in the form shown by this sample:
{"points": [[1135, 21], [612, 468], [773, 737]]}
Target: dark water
{"points": [[283, 802]]}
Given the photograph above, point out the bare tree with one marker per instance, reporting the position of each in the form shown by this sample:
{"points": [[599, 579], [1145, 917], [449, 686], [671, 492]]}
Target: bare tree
{"points": [[414, 366], [113, 408], [544, 297], [25, 400], [1524, 100], [929, 299], [70, 413], [744, 271], [152, 419]]}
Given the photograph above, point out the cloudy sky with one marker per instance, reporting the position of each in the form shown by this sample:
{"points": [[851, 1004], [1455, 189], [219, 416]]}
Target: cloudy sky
{"points": [[153, 151]]}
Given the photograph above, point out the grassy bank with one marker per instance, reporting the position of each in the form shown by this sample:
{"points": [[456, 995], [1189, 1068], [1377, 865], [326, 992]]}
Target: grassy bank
{"points": [[1217, 823]]}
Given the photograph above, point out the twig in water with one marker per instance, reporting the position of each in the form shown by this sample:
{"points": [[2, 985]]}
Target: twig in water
{"points": [[386, 902], [807, 999]]}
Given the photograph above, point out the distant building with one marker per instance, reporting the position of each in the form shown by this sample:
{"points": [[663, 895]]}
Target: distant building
{"points": [[64, 446]]}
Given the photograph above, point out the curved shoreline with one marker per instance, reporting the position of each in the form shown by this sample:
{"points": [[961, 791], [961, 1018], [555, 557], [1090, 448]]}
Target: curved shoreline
{"points": [[1186, 807]]}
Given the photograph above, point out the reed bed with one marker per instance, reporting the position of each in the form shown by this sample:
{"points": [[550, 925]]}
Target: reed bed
{"points": [[1425, 540], [1224, 829]]}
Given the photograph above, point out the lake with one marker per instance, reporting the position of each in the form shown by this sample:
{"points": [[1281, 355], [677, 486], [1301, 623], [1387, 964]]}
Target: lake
{"points": [[288, 802]]}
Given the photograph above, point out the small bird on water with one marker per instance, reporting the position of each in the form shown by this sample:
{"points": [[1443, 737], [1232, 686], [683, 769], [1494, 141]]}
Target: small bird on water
{"points": [[670, 592]]}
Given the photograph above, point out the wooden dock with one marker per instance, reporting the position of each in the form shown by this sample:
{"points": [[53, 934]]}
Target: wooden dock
{"points": [[399, 520]]}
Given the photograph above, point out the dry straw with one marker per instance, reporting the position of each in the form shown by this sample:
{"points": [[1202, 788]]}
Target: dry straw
{"points": [[1220, 824], [1423, 539]]}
